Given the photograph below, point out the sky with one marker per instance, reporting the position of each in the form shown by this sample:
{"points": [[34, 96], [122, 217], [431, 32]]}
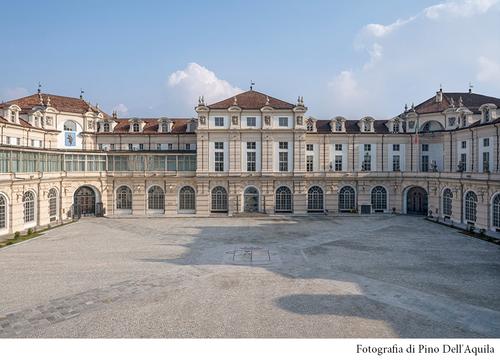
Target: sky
{"points": [[155, 58]]}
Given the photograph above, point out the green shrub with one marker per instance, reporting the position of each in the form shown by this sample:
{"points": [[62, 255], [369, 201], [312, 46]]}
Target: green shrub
{"points": [[17, 235], [9, 243], [30, 231]]}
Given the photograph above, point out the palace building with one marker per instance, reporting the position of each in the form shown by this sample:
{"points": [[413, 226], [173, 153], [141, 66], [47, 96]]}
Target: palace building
{"points": [[61, 157]]}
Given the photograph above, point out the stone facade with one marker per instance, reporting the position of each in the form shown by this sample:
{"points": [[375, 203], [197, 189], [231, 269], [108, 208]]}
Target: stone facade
{"points": [[250, 153]]}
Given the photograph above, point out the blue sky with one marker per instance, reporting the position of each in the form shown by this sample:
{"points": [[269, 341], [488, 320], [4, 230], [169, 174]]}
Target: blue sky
{"points": [[154, 58]]}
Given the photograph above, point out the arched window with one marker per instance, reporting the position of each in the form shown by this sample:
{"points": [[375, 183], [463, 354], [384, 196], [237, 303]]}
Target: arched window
{"points": [[124, 198], [219, 199], [379, 199], [156, 198], [470, 206], [315, 201], [105, 127], [447, 202], [135, 127], [395, 126], [164, 127], [52, 196], [187, 199], [29, 206], [496, 211], [347, 199], [69, 126], [3, 212], [283, 200]]}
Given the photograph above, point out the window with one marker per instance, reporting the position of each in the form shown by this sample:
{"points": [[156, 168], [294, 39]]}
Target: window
{"points": [[463, 162], [310, 163], [105, 127], [141, 146], [464, 144], [158, 146], [338, 126], [251, 121], [156, 198], [452, 121], [283, 200], [315, 199], [219, 121], [124, 198], [310, 126], [338, 147], [251, 161], [425, 147], [368, 147], [395, 127], [251, 145], [219, 199], [379, 199], [135, 127], [188, 146], [309, 147], [496, 211], [69, 126], [3, 212], [29, 206], [338, 162], [396, 163], [52, 204], [283, 121], [170, 146], [425, 163], [219, 156], [486, 115], [130, 147], [447, 202], [486, 142], [187, 201], [283, 156], [470, 206], [395, 147], [164, 127], [366, 126], [347, 199], [367, 159], [486, 161]]}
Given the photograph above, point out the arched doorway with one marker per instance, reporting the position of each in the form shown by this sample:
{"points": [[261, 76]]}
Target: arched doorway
{"points": [[416, 201], [251, 200], [84, 201]]}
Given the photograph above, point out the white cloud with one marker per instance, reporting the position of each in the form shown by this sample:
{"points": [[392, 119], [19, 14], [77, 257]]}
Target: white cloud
{"points": [[121, 109], [488, 70], [196, 80], [376, 53], [465, 8], [379, 30], [13, 93]]}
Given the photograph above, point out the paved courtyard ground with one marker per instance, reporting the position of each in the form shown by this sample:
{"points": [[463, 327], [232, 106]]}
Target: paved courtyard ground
{"points": [[372, 276]]}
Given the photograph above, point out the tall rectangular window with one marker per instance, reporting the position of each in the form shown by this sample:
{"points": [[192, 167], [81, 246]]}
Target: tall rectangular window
{"points": [[395, 147], [283, 156], [368, 147], [425, 147], [251, 156], [396, 163], [425, 163], [464, 144], [486, 161], [219, 121], [310, 163], [486, 142], [309, 147], [251, 121], [463, 162], [338, 163], [219, 156], [338, 147], [283, 121]]}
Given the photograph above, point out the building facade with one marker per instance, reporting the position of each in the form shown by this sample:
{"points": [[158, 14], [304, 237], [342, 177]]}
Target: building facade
{"points": [[61, 157]]}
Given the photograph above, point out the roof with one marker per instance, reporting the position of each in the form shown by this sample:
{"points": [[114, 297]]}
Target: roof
{"points": [[252, 100], [470, 100], [61, 103], [352, 127], [179, 126]]}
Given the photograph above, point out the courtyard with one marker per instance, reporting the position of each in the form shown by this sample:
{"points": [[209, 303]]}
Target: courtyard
{"points": [[372, 276]]}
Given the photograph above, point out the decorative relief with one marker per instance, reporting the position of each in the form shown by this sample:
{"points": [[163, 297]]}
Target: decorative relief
{"points": [[235, 120], [267, 120], [300, 120], [203, 120]]}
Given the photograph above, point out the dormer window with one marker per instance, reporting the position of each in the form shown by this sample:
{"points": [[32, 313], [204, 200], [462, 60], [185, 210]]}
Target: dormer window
{"points": [[164, 127], [451, 121], [367, 126], [395, 127], [105, 127], [135, 127], [310, 126], [13, 116], [486, 114]]}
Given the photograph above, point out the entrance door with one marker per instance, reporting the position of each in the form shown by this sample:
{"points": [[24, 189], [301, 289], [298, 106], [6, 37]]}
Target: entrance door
{"points": [[416, 201], [251, 200], [84, 201]]}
